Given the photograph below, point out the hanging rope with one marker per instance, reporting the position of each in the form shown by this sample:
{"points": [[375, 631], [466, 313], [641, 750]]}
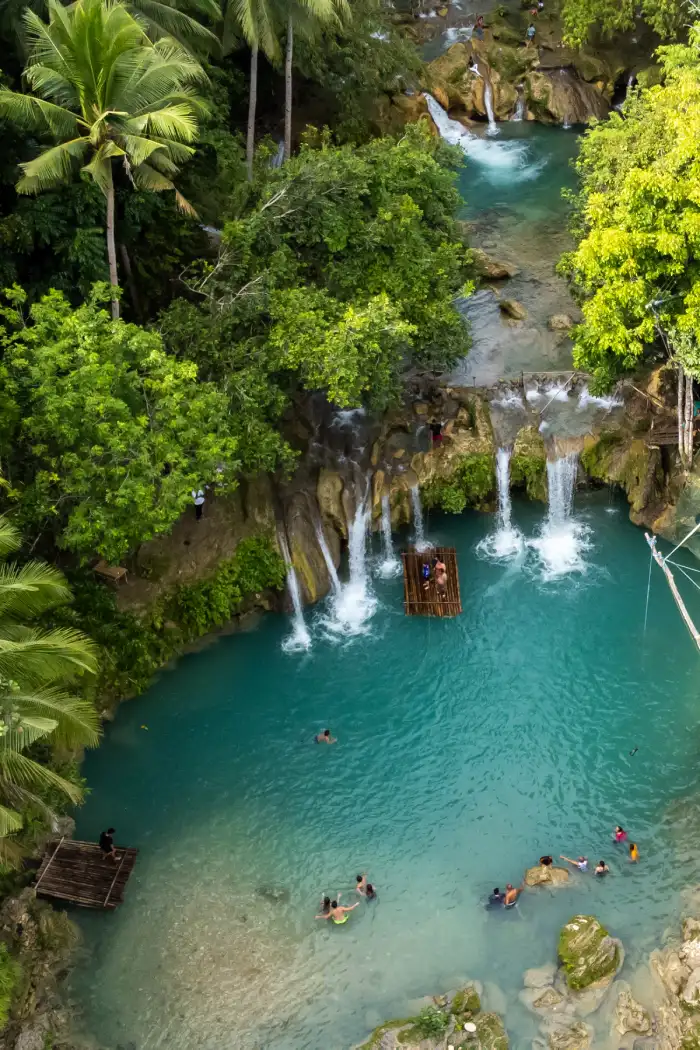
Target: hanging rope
{"points": [[684, 540], [646, 611]]}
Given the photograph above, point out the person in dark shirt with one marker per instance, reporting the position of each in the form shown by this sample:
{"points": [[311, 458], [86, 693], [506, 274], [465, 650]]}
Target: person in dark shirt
{"points": [[496, 898], [107, 845]]}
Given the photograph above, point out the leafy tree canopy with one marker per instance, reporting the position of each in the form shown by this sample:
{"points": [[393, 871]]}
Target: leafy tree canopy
{"points": [[581, 17], [345, 274], [104, 435], [637, 262]]}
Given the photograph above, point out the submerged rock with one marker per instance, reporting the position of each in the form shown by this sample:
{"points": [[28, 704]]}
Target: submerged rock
{"points": [[560, 322], [494, 269], [568, 1035], [512, 308], [491, 1032], [546, 875], [589, 955], [629, 1016]]}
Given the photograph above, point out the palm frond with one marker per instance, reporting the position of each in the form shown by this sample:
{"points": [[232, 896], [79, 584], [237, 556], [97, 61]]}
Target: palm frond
{"points": [[25, 773], [166, 20], [52, 167], [10, 537], [35, 114], [30, 589], [35, 656], [10, 821], [76, 722]]}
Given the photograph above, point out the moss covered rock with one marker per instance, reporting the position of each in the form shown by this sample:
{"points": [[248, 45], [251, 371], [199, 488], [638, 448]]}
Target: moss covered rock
{"points": [[465, 1003], [491, 1032], [471, 483], [587, 952]]}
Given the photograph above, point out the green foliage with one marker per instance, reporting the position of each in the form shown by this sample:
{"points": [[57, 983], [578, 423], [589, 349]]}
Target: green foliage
{"points": [[636, 266], [104, 435], [530, 472], [10, 974], [470, 484], [133, 648], [607, 17], [344, 274], [431, 1023]]}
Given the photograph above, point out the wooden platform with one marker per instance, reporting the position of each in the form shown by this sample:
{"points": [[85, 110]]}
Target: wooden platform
{"points": [[420, 602], [78, 872]]}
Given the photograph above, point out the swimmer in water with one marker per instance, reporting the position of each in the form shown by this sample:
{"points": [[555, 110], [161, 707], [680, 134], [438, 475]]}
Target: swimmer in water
{"points": [[338, 913], [325, 907], [496, 898], [601, 869], [581, 863], [511, 896], [546, 861], [634, 752], [620, 834], [325, 738], [370, 892], [634, 852], [361, 887]]}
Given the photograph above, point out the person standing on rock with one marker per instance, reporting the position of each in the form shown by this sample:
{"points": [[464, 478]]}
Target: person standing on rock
{"points": [[530, 35]]}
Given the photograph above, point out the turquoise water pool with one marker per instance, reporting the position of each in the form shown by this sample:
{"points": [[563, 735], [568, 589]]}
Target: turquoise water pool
{"points": [[466, 749]]}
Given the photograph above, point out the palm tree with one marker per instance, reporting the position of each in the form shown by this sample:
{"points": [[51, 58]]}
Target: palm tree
{"points": [[256, 20], [105, 91], [35, 666], [305, 16]]}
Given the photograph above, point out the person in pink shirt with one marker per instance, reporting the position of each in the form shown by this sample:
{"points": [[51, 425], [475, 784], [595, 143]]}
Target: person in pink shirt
{"points": [[620, 834]]}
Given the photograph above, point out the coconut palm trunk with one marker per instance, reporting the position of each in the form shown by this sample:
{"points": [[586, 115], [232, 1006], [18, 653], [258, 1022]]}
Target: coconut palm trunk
{"points": [[112, 249], [288, 88], [252, 104]]}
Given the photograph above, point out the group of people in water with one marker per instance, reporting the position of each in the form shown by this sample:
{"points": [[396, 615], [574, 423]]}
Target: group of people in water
{"points": [[339, 913], [510, 897]]}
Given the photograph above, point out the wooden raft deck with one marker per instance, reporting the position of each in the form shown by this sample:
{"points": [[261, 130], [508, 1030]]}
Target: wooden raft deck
{"points": [[77, 872], [418, 602]]}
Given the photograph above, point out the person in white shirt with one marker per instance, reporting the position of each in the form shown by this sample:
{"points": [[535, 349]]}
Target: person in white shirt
{"points": [[198, 497]]}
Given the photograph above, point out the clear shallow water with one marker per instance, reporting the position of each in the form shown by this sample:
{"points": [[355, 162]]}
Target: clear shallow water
{"points": [[466, 749]]}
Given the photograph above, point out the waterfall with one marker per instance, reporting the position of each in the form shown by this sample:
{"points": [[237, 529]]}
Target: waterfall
{"points": [[519, 111], [354, 604], [488, 105], [390, 564], [299, 638], [418, 526], [507, 541], [562, 540], [332, 572], [510, 157]]}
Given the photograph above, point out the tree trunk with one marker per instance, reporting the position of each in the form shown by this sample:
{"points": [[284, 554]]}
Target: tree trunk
{"points": [[128, 274], [252, 103], [112, 251], [288, 89], [688, 421], [681, 403]]}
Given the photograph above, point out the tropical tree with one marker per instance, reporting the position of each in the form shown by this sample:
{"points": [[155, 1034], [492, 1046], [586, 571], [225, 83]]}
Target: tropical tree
{"points": [[105, 92], [36, 666], [304, 17], [257, 22]]}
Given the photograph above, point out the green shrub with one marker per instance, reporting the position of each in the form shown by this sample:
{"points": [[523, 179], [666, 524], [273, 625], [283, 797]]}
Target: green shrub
{"points": [[10, 973], [530, 473], [431, 1023], [471, 484]]}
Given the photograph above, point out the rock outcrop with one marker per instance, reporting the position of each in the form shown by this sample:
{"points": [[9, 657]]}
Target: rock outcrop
{"points": [[452, 1020], [546, 875], [589, 955]]}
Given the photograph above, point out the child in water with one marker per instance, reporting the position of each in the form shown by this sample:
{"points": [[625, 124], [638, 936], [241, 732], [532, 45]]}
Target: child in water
{"points": [[634, 853]]}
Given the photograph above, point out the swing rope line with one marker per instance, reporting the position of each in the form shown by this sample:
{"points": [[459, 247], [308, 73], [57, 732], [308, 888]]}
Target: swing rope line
{"points": [[646, 611], [691, 533]]}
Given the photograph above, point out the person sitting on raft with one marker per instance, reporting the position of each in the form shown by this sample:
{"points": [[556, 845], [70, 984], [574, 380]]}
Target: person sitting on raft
{"points": [[425, 574], [338, 913], [441, 578], [511, 896], [581, 863]]}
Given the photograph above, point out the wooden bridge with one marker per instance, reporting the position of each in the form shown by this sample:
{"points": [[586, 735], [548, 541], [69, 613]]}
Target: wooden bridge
{"points": [[419, 600], [79, 872]]}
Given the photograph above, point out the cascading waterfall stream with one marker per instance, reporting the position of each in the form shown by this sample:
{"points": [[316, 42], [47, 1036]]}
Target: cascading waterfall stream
{"points": [[390, 564], [519, 111], [562, 540], [354, 604], [418, 526], [507, 541], [299, 639], [332, 571], [510, 158], [488, 105]]}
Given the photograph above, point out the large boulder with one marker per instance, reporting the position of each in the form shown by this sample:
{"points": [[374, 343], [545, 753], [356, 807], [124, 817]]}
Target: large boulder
{"points": [[513, 309], [629, 1015], [589, 955], [568, 1035], [329, 493], [493, 269], [559, 96], [546, 875], [491, 1032]]}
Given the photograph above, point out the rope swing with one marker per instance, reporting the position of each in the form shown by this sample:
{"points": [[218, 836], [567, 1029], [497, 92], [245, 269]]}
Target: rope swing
{"points": [[662, 563]]}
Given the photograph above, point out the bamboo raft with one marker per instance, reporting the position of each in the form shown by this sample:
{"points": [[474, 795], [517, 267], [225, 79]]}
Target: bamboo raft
{"points": [[78, 872], [420, 602]]}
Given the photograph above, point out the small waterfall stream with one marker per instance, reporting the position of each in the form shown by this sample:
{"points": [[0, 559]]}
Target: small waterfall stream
{"points": [[488, 105], [418, 526], [354, 604], [519, 111], [299, 638], [562, 540], [332, 571], [507, 541], [504, 155], [390, 564]]}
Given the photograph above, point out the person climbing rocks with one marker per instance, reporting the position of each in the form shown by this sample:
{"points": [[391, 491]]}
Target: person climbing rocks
{"points": [[436, 433], [338, 913], [581, 863], [530, 34], [198, 497], [325, 737]]}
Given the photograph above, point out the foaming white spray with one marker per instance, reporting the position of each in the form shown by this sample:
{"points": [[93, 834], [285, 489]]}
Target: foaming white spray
{"points": [[418, 526], [354, 605], [519, 111], [507, 158], [563, 540], [607, 403], [390, 565], [507, 541], [332, 572], [300, 639], [488, 105]]}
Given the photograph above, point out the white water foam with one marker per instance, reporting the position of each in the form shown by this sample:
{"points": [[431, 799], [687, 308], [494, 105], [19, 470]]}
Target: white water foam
{"points": [[562, 540], [557, 392], [506, 159], [510, 400], [507, 541], [300, 639], [608, 403], [488, 105], [519, 111], [390, 564], [330, 565], [354, 605], [420, 541]]}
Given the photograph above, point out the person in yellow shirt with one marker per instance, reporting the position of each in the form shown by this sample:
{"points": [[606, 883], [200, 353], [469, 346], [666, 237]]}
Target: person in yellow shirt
{"points": [[634, 852]]}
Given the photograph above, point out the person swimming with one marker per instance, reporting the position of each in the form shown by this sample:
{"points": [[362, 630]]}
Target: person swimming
{"points": [[361, 887], [510, 898], [325, 737], [546, 861], [620, 834], [496, 898], [601, 868], [338, 913], [581, 863], [634, 852], [370, 892], [325, 906]]}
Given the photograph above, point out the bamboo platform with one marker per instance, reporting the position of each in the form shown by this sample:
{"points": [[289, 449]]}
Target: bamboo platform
{"points": [[420, 602], [78, 872]]}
